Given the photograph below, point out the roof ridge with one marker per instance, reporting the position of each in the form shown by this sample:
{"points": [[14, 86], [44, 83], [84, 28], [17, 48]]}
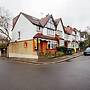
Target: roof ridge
{"points": [[32, 19], [28, 15]]}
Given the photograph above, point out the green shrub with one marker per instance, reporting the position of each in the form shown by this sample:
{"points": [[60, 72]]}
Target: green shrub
{"points": [[60, 54], [61, 49]]}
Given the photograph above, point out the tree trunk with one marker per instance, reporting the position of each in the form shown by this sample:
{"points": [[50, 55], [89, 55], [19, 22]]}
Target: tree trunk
{"points": [[8, 50]]}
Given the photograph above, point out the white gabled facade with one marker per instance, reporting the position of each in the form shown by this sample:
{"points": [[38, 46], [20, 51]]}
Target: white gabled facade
{"points": [[49, 28], [60, 31], [25, 27], [22, 33]]}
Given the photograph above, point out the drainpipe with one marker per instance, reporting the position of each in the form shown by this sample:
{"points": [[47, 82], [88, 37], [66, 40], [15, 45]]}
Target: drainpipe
{"points": [[37, 47]]}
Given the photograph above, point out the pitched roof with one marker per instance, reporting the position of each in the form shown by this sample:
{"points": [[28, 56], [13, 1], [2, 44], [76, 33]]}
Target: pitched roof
{"points": [[57, 21], [68, 30], [15, 20], [44, 20], [39, 22], [32, 19], [40, 35]]}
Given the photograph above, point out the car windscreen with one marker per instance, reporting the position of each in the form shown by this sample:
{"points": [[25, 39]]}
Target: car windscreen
{"points": [[88, 50]]}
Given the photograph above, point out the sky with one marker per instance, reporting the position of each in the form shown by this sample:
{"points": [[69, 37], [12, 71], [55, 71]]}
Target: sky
{"points": [[75, 13]]}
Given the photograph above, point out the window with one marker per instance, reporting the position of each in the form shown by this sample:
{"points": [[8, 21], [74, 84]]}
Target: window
{"points": [[19, 35], [50, 32], [38, 29], [52, 44]]}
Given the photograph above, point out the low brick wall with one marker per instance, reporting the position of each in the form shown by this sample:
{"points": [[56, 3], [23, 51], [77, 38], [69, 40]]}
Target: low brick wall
{"points": [[52, 51]]}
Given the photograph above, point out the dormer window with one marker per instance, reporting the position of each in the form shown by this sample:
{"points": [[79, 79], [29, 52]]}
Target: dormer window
{"points": [[19, 35]]}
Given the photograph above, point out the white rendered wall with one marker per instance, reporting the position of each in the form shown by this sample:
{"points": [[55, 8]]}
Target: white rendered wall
{"points": [[78, 36], [61, 43], [25, 27], [45, 31], [60, 28], [68, 37]]}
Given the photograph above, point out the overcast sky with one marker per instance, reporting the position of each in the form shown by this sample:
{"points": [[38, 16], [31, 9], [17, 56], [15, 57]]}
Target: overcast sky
{"points": [[73, 12]]}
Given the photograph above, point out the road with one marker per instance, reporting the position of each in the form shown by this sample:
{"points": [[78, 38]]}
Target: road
{"points": [[74, 75]]}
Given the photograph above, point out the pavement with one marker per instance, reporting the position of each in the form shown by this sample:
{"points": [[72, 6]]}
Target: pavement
{"points": [[44, 60]]}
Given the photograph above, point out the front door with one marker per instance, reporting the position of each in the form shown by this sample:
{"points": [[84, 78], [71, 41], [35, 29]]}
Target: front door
{"points": [[66, 44], [43, 46]]}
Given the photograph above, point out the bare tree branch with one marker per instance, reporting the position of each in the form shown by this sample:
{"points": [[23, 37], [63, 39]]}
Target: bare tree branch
{"points": [[5, 34], [4, 23]]}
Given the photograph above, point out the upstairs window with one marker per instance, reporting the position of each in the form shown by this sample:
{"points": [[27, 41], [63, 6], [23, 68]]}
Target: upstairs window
{"points": [[19, 35], [50, 32], [38, 29]]}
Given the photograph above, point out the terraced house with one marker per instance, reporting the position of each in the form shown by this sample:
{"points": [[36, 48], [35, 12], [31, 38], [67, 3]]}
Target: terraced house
{"points": [[68, 37], [72, 38], [32, 36]]}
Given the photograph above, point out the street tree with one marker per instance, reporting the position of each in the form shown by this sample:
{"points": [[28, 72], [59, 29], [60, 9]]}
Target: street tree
{"points": [[88, 30], [5, 26]]}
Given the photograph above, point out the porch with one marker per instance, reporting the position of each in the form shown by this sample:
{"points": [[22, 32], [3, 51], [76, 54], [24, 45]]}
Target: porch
{"points": [[45, 45]]}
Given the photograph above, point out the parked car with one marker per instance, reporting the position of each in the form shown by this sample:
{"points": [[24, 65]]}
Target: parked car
{"points": [[87, 51], [69, 51]]}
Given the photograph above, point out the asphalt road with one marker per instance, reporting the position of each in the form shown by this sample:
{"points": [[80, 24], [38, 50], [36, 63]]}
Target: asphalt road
{"points": [[74, 75]]}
